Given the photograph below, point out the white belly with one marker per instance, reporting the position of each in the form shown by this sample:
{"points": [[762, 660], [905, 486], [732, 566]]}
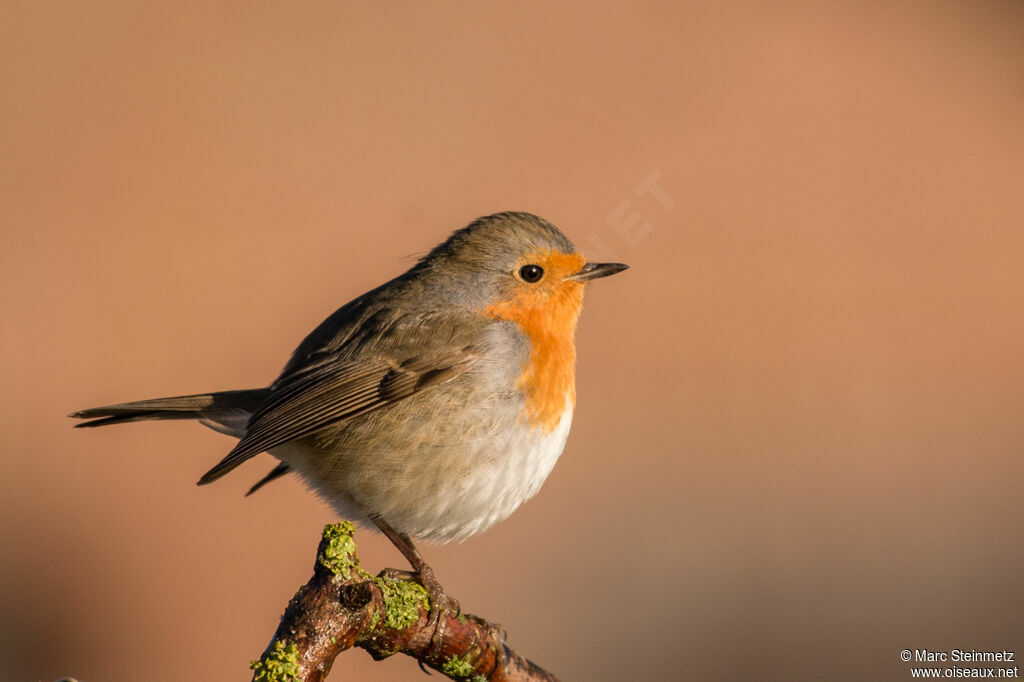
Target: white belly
{"points": [[493, 493], [438, 497]]}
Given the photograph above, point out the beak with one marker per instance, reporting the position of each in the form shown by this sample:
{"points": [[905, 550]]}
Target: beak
{"points": [[595, 270]]}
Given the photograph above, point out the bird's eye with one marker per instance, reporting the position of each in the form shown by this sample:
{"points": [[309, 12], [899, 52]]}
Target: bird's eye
{"points": [[531, 274]]}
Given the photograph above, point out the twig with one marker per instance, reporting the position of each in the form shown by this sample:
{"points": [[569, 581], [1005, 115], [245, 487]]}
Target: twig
{"points": [[344, 606]]}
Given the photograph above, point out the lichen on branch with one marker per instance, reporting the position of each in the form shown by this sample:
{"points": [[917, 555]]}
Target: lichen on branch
{"points": [[342, 606]]}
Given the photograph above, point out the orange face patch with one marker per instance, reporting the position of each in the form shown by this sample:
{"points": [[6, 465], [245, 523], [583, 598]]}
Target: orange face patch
{"points": [[547, 312]]}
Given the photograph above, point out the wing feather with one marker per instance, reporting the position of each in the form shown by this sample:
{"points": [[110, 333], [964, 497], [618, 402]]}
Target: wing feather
{"points": [[329, 390]]}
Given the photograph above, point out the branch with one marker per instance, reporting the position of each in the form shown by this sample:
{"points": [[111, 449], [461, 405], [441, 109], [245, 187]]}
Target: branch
{"points": [[344, 606]]}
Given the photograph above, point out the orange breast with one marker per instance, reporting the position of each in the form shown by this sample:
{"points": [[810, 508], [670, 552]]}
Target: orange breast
{"points": [[547, 313]]}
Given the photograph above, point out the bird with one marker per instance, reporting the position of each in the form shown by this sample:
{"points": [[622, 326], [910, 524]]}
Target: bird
{"points": [[430, 407]]}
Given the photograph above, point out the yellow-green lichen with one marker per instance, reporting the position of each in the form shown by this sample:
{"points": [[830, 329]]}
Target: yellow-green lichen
{"points": [[402, 602], [457, 667], [279, 664], [339, 555]]}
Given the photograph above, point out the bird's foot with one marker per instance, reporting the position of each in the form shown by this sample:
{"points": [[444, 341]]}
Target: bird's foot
{"points": [[441, 605]]}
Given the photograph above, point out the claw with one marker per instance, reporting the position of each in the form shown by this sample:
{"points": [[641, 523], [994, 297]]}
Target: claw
{"points": [[441, 605]]}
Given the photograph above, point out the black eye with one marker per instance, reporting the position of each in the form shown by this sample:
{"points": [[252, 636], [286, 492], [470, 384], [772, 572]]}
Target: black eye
{"points": [[531, 273]]}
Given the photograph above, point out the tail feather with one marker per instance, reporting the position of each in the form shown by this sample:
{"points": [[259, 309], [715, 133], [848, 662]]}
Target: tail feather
{"points": [[227, 412], [134, 417], [206, 406]]}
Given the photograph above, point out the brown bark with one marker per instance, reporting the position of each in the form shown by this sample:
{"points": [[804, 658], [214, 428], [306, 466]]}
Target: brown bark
{"points": [[343, 606]]}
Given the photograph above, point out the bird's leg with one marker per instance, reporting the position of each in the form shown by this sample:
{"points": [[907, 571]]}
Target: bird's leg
{"points": [[440, 603]]}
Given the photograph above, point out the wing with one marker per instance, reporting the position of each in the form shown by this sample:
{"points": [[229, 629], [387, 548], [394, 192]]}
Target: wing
{"points": [[277, 472], [327, 390]]}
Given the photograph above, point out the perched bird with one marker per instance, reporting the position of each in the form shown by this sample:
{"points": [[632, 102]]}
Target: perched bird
{"points": [[433, 405]]}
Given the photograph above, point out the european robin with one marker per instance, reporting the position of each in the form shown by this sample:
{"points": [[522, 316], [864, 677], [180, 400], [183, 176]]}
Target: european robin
{"points": [[433, 405]]}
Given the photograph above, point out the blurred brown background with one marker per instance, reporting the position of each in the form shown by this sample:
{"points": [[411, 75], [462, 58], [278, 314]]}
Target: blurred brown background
{"points": [[797, 449]]}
